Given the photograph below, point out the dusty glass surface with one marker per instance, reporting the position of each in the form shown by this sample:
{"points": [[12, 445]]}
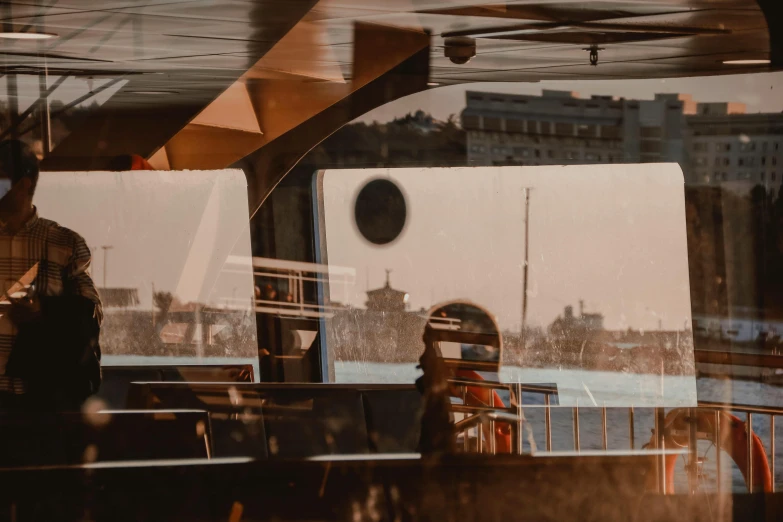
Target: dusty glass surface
{"points": [[608, 304], [171, 259]]}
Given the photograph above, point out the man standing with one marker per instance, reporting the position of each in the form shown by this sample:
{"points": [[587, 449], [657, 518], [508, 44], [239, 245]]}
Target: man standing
{"points": [[50, 311]]}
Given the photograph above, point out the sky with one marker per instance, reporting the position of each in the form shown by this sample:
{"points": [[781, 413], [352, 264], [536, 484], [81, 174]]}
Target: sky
{"points": [[760, 92], [612, 235], [173, 230]]}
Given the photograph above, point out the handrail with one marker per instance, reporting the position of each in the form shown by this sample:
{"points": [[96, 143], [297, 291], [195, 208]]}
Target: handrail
{"points": [[459, 408], [490, 414], [744, 408], [479, 366], [483, 417], [477, 383], [738, 358]]}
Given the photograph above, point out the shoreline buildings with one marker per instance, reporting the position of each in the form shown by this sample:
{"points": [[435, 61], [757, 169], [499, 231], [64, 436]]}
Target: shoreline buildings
{"points": [[715, 143]]}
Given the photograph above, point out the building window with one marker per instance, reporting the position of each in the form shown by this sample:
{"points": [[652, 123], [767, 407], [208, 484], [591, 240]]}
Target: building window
{"points": [[774, 176], [763, 176], [717, 161], [611, 131], [470, 122], [564, 129], [726, 161], [550, 154], [774, 160], [538, 153], [701, 147], [587, 131], [650, 147], [701, 161], [492, 124], [763, 160], [513, 125], [747, 147]]}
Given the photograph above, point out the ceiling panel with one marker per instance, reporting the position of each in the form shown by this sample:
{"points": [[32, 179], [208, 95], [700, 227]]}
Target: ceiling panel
{"points": [[205, 41]]}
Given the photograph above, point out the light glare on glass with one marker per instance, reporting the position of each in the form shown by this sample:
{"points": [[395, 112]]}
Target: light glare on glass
{"points": [[26, 36], [747, 62]]}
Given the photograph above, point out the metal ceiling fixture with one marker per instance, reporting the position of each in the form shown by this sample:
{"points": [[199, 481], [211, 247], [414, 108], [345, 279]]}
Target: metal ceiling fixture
{"points": [[593, 54], [460, 49]]}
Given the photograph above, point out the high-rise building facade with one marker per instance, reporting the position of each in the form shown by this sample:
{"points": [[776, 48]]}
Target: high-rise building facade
{"points": [[726, 145], [560, 128], [715, 143]]}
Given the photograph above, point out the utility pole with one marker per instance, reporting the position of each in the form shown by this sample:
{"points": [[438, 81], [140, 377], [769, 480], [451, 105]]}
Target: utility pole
{"points": [[525, 265], [153, 305], [106, 249]]}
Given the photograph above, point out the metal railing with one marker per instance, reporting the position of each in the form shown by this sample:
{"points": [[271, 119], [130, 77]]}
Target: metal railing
{"points": [[484, 418], [514, 415], [659, 435], [289, 278]]}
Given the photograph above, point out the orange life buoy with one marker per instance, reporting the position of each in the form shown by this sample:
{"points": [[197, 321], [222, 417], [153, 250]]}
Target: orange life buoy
{"points": [[477, 396], [734, 441]]}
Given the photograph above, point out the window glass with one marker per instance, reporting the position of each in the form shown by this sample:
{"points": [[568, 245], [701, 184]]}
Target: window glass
{"points": [[607, 314], [163, 300], [723, 293]]}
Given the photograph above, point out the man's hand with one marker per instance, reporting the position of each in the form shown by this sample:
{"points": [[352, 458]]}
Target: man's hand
{"points": [[24, 310]]}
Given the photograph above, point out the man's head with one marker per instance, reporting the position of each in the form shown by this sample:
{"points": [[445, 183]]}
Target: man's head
{"points": [[18, 176]]}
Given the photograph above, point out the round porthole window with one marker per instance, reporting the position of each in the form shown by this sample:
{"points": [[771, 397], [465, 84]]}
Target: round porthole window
{"points": [[380, 211]]}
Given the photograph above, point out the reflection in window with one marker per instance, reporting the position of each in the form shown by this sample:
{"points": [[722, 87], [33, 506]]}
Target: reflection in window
{"points": [[446, 253], [174, 282]]}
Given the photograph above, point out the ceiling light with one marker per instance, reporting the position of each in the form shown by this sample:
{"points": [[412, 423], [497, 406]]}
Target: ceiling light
{"points": [[432, 84], [27, 36], [747, 62]]}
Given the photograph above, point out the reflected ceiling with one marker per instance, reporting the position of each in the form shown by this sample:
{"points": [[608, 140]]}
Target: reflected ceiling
{"points": [[214, 41], [234, 75]]}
